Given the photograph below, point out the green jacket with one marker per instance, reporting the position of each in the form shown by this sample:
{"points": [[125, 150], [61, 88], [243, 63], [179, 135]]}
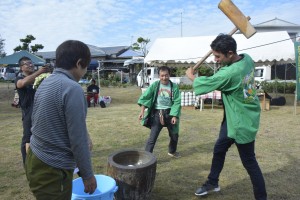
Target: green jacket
{"points": [[148, 98], [242, 108]]}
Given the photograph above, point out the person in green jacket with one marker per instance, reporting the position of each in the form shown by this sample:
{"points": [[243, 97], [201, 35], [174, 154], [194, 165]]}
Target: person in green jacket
{"points": [[241, 112], [161, 107]]}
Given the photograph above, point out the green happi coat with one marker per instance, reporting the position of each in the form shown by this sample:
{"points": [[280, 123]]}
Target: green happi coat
{"points": [[242, 108], [148, 98]]}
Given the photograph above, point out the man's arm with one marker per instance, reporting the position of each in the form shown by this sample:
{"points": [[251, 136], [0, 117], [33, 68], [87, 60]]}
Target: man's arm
{"points": [[75, 114], [146, 98], [30, 79], [176, 106], [141, 115], [190, 73]]}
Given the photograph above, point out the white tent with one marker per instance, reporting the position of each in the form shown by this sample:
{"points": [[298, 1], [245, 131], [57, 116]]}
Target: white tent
{"points": [[264, 48]]}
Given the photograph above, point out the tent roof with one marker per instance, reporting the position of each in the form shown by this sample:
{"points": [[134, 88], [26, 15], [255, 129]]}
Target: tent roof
{"points": [[265, 47], [93, 64], [134, 61], [15, 57]]}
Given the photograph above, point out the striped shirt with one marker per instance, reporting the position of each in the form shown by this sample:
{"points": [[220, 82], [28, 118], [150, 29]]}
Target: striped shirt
{"points": [[59, 132]]}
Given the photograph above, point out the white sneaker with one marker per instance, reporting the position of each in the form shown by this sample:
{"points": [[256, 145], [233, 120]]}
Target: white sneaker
{"points": [[174, 155]]}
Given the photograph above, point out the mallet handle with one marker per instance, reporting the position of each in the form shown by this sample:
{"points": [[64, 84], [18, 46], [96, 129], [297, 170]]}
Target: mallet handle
{"points": [[210, 52]]}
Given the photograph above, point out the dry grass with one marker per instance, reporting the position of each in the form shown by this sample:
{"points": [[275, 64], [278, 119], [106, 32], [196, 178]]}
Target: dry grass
{"points": [[116, 127]]}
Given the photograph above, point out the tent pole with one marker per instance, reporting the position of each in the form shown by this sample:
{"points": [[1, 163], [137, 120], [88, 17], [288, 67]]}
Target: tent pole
{"points": [[213, 94], [295, 101], [275, 63], [284, 78], [121, 76], [98, 72]]}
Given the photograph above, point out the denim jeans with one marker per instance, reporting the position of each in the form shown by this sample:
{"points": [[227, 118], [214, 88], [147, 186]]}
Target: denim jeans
{"points": [[247, 155], [155, 130]]}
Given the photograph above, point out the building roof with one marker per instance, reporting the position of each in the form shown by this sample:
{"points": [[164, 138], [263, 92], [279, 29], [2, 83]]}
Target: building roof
{"points": [[130, 53], [116, 50], [46, 55], [279, 25], [113, 61], [14, 58], [276, 23], [95, 51]]}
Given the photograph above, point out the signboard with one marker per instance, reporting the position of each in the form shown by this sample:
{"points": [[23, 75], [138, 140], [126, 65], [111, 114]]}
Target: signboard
{"points": [[297, 59]]}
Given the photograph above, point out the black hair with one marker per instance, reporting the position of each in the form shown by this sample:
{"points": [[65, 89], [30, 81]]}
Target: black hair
{"points": [[164, 68], [69, 52], [224, 43], [24, 58]]}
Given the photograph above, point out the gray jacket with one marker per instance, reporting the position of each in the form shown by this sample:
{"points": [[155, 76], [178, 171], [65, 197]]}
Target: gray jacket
{"points": [[59, 132]]}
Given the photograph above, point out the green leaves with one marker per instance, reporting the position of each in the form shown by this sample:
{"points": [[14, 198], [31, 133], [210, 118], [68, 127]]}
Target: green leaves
{"points": [[25, 46], [141, 45]]}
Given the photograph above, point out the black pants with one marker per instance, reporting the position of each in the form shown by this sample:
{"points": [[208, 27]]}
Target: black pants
{"points": [[26, 120], [247, 155], [155, 130]]}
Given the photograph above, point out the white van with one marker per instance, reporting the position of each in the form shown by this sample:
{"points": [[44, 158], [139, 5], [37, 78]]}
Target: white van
{"points": [[263, 73], [7, 74], [150, 73]]}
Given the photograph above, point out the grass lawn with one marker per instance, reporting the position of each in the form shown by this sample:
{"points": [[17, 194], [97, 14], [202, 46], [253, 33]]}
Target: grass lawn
{"points": [[117, 127]]}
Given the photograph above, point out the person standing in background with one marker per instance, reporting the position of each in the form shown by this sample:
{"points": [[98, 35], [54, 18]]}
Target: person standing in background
{"points": [[163, 102], [24, 85]]}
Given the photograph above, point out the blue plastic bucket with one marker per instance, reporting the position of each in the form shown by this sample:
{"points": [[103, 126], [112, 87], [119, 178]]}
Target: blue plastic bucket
{"points": [[106, 187]]}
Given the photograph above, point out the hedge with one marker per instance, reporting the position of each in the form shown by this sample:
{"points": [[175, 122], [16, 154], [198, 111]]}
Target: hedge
{"points": [[269, 87], [278, 87]]}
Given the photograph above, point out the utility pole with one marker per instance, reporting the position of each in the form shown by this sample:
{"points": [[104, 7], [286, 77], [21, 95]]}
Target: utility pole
{"points": [[131, 40], [181, 22]]}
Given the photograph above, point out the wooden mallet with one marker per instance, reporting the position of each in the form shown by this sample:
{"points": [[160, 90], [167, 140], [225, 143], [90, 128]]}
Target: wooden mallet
{"points": [[238, 19]]}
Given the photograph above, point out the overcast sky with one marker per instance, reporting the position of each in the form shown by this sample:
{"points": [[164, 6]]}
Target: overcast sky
{"points": [[120, 22]]}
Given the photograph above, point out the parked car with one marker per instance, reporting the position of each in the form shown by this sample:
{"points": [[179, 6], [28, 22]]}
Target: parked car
{"points": [[84, 81], [7, 74]]}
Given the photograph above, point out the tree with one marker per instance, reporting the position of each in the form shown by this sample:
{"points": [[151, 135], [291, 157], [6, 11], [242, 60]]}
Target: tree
{"points": [[25, 46], [141, 45], [205, 71], [2, 44]]}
